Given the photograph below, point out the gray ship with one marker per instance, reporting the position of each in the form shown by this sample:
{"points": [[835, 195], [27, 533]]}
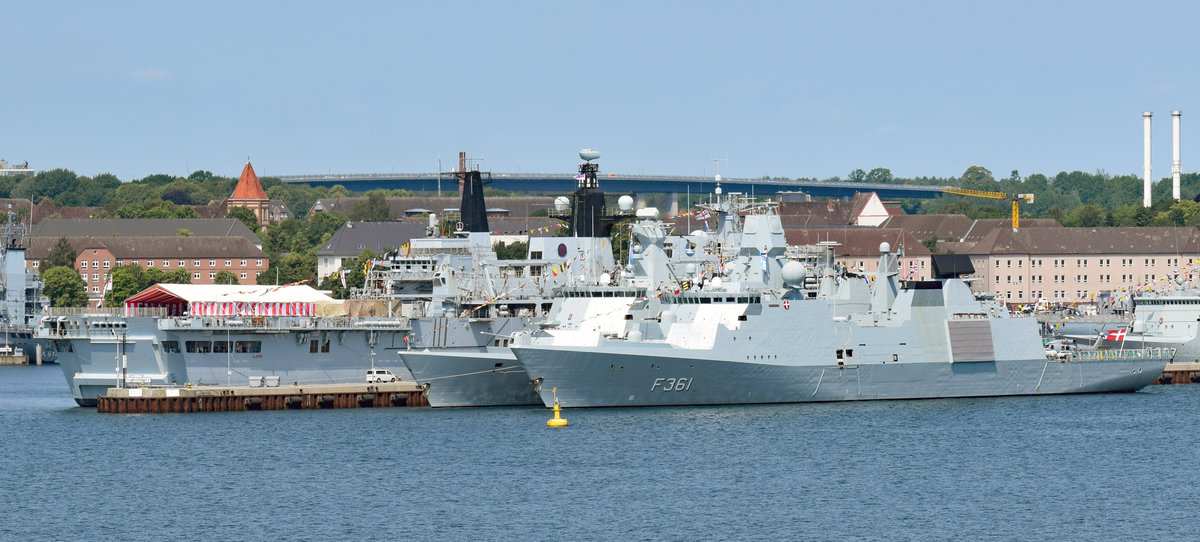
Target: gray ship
{"points": [[800, 338]]}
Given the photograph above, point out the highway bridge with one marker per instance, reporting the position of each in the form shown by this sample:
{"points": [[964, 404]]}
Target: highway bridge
{"points": [[612, 183]]}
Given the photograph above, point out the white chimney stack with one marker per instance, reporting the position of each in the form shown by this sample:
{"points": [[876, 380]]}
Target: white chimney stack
{"points": [[1176, 166], [1146, 158]]}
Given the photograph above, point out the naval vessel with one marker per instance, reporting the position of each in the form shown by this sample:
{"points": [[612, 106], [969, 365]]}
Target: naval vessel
{"points": [[789, 341]]}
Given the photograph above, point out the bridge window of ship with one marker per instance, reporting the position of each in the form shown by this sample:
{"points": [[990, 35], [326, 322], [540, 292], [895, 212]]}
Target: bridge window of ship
{"points": [[198, 347], [220, 347], [170, 347]]}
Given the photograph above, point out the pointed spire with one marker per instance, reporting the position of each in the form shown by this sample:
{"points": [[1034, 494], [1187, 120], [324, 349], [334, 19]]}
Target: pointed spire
{"points": [[248, 187]]}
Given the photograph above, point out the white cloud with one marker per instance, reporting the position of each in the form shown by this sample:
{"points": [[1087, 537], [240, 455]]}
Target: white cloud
{"points": [[149, 74]]}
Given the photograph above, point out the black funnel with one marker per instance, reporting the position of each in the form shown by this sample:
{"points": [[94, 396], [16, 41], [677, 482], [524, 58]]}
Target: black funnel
{"points": [[472, 211]]}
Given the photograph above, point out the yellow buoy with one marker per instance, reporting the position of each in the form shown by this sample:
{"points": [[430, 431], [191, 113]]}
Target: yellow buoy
{"points": [[556, 421]]}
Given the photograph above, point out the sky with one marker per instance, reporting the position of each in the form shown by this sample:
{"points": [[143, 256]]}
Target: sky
{"points": [[782, 89]]}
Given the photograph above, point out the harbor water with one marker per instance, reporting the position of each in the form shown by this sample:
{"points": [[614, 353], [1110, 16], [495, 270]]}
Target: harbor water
{"points": [[1071, 467]]}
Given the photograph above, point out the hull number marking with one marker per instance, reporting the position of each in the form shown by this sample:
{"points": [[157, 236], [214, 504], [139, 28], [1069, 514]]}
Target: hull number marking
{"points": [[672, 384]]}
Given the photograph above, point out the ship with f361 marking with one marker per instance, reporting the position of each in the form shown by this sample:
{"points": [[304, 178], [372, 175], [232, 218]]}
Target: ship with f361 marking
{"points": [[799, 338]]}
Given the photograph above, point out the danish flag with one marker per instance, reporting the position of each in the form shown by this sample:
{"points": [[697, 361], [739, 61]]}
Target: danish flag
{"points": [[1116, 334]]}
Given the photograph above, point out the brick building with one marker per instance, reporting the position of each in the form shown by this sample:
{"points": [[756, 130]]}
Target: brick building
{"points": [[203, 257]]}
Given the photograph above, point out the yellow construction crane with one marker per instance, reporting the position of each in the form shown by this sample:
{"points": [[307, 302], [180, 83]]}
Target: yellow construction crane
{"points": [[1016, 198]]}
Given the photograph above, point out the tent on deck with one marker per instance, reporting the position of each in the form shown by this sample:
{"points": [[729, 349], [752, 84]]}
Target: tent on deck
{"points": [[229, 300]]}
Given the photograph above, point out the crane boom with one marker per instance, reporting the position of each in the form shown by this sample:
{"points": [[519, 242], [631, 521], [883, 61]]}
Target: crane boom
{"points": [[1016, 198]]}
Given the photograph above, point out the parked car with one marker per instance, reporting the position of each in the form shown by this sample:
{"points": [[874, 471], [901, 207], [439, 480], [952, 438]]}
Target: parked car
{"points": [[380, 375]]}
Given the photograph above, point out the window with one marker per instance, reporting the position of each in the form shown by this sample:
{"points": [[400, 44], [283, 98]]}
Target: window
{"points": [[258, 262], [166, 263], [243, 262], [243, 276], [95, 289], [36, 262], [198, 347], [220, 347], [227, 262], [212, 275], [83, 277], [196, 263], [149, 263], [321, 344], [212, 263], [248, 347], [106, 264], [181, 262], [133, 262], [95, 276], [170, 347], [83, 264], [196, 275], [95, 264]]}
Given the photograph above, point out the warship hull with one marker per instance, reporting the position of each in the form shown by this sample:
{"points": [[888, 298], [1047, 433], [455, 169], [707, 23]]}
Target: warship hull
{"points": [[597, 378], [464, 379]]}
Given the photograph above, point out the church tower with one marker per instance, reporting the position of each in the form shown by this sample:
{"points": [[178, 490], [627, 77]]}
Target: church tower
{"points": [[249, 194]]}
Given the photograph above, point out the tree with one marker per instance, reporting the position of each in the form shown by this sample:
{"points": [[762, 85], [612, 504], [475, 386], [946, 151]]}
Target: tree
{"points": [[880, 175], [373, 209], [61, 254], [64, 287], [515, 251], [225, 276], [857, 176], [245, 215], [126, 280]]}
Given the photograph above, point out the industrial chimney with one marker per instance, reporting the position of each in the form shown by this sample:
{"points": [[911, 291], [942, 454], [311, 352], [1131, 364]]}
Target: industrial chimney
{"points": [[1146, 158], [1176, 166]]}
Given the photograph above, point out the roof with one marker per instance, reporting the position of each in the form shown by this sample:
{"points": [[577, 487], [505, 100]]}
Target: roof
{"points": [[227, 293], [828, 212], [248, 187], [1080, 241], [143, 227], [984, 226], [353, 237], [858, 241], [151, 247], [926, 226]]}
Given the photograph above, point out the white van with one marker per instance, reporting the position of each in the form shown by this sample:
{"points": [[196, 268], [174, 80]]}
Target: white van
{"points": [[380, 375]]}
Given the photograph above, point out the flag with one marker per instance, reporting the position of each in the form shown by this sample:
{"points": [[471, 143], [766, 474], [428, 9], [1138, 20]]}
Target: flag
{"points": [[1116, 334], [702, 215], [580, 177]]}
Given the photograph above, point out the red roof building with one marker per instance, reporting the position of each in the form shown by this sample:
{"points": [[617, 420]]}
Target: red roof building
{"points": [[249, 194]]}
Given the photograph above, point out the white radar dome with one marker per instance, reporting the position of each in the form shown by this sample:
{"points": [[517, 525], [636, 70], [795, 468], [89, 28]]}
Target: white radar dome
{"points": [[714, 283], [794, 273], [589, 154], [884, 247], [605, 278], [561, 204], [625, 203], [690, 269]]}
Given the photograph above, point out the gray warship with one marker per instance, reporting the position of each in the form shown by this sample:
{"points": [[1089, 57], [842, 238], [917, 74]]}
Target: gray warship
{"points": [[595, 298], [811, 333], [442, 292]]}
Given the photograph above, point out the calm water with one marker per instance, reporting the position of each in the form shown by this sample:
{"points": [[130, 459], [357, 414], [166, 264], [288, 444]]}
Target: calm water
{"points": [[1082, 467]]}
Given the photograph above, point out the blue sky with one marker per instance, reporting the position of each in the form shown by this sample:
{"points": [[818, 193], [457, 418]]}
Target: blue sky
{"points": [[787, 89]]}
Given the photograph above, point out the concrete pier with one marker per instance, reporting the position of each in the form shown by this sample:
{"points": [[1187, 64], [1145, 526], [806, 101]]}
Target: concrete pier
{"points": [[234, 398], [14, 359]]}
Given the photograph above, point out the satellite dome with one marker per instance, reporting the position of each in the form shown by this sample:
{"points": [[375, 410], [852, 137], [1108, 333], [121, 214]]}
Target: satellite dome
{"points": [[589, 154], [605, 278], [561, 204], [690, 269], [884, 247], [625, 203], [793, 273], [718, 190], [714, 283], [650, 213]]}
